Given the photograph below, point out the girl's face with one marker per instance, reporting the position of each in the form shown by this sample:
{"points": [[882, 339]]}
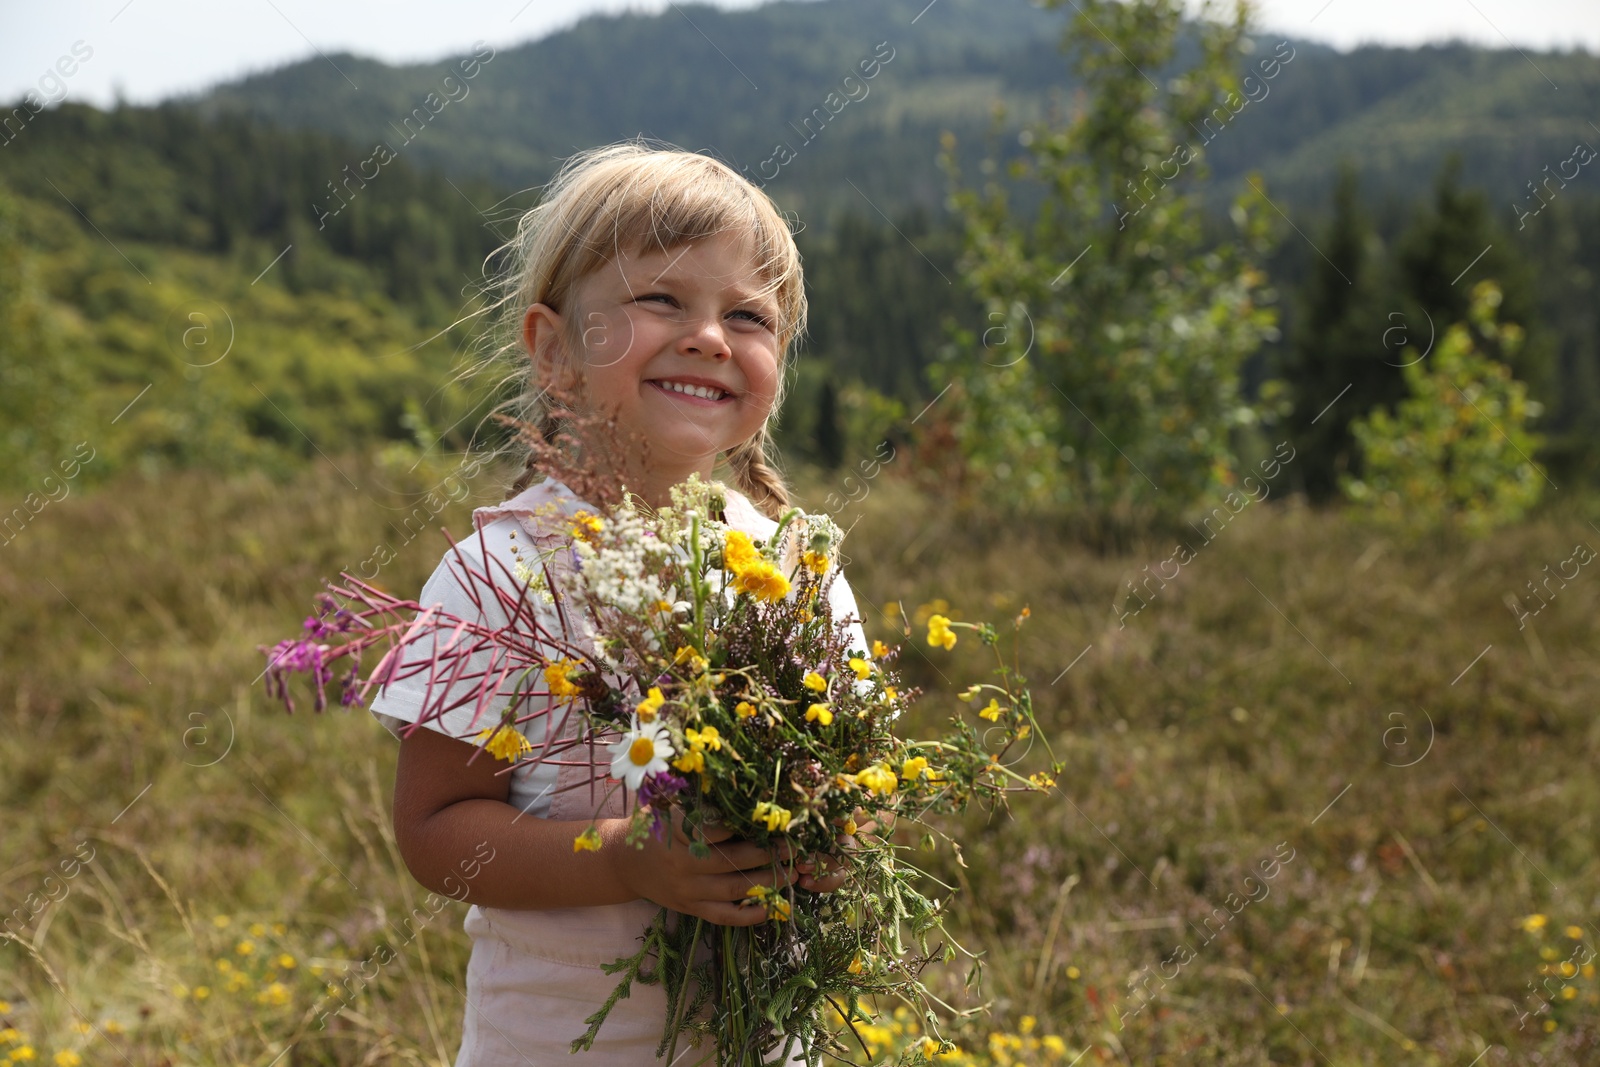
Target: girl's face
{"points": [[678, 347]]}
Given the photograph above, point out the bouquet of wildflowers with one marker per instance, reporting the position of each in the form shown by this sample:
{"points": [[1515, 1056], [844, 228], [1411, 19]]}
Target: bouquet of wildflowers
{"points": [[716, 682]]}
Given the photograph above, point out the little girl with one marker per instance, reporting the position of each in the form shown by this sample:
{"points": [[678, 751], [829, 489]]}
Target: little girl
{"points": [[662, 288]]}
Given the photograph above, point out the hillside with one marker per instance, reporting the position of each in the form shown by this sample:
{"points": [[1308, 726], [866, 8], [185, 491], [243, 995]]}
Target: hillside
{"points": [[748, 79]]}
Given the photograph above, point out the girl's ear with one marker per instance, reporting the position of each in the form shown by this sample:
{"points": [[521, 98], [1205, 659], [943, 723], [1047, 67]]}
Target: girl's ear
{"points": [[543, 334]]}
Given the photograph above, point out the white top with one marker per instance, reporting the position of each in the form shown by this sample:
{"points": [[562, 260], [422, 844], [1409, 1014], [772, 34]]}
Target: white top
{"points": [[400, 703]]}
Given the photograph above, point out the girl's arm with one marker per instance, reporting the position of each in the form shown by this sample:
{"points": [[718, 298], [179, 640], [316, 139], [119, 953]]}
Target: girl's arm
{"points": [[445, 811]]}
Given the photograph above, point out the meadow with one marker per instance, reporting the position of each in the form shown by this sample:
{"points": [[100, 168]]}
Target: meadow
{"points": [[1328, 798]]}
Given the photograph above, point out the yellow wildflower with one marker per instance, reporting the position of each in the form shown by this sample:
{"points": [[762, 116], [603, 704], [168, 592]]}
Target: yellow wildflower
{"points": [[1534, 923], [820, 713], [1575, 932], [201, 992], [855, 965], [1042, 780], [691, 655], [878, 779], [992, 711], [862, 668], [258, 930], [276, 994], [588, 841], [777, 905], [1054, 1045], [691, 761], [912, 768], [813, 680], [738, 551], [939, 632], [707, 737], [23, 1052], [651, 704], [968, 693], [744, 709], [816, 561], [890, 692], [285, 961], [11, 1035], [555, 676], [1027, 1023], [775, 817], [67, 1058], [586, 525], [879, 649], [244, 948], [506, 742], [849, 827]]}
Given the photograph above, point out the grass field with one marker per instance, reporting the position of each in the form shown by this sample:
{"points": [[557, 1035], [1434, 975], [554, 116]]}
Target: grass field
{"points": [[1325, 801]]}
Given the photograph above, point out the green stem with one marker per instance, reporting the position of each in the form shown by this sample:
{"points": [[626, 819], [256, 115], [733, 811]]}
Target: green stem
{"points": [[683, 991]]}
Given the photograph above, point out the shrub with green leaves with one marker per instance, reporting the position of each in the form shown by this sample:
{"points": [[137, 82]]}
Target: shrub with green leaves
{"points": [[1108, 374], [1458, 450]]}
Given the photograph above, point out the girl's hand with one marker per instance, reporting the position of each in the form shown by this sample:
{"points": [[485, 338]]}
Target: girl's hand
{"points": [[710, 888], [826, 873]]}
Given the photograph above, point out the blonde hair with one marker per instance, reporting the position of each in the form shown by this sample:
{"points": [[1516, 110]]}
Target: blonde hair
{"points": [[633, 197]]}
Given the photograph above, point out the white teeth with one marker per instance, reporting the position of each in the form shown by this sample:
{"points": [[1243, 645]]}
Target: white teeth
{"points": [[702, 391]]}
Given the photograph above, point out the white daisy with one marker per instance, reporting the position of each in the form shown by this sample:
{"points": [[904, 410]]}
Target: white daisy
{"points": [[642, 750]]}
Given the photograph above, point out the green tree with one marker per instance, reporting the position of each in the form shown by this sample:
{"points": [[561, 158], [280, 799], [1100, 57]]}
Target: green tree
{"points": [[1457, 450], [1451, 245], [42, 392], [1347, 353], [829, 438], [1108, 374]]}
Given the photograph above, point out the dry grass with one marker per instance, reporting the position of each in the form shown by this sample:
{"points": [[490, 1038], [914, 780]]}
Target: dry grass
{"points": [[1297, 661]]}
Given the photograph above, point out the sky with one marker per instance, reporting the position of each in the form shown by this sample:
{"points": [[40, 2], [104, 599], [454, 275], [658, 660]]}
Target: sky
{"points": [[149, 50]]}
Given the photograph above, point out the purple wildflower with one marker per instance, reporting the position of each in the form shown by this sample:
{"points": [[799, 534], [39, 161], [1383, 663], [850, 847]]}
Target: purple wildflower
{"points": [[292, 655]]}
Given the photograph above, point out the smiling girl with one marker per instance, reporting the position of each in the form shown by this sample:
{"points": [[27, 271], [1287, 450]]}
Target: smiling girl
{"points": [[662, 289]]}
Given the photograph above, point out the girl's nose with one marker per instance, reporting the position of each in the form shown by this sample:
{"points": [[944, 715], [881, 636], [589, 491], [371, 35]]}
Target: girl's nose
{"points": [[708, 338]]}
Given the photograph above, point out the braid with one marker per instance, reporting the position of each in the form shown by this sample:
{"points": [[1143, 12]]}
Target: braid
{"points": [[548, 428], [755, 479]]}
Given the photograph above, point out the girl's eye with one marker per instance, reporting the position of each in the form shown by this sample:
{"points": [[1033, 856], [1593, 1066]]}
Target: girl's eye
{"points": [[756, 317], [658, 296]]}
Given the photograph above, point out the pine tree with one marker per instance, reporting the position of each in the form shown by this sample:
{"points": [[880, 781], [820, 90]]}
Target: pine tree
{"points": [[1452, 246], [829, 439], [1347, 354]]}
